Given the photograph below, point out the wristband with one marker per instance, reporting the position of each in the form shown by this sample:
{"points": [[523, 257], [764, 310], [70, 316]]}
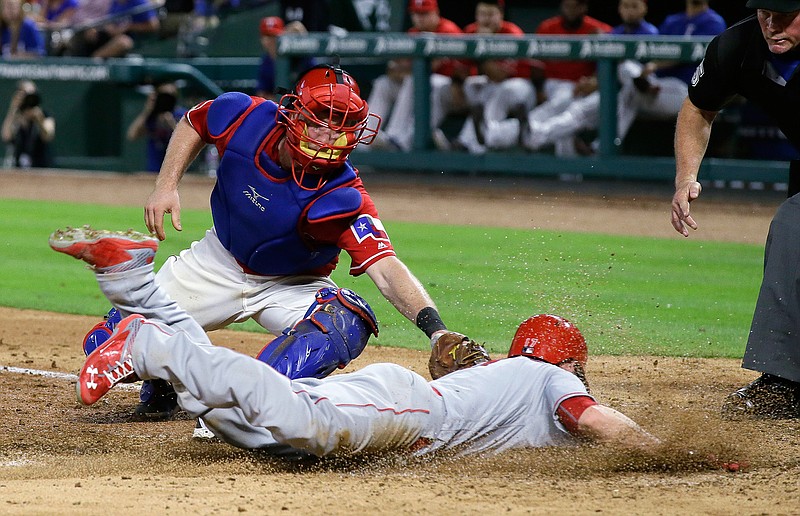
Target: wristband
{"points": [[428, 321]]}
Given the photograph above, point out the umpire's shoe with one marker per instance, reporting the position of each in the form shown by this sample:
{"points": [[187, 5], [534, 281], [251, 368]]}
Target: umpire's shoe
{"points": [[157, 401], [767, 397]]}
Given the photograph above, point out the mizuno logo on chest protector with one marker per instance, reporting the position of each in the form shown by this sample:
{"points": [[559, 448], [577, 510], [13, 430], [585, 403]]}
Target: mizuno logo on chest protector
{"points": [[255, 197]]}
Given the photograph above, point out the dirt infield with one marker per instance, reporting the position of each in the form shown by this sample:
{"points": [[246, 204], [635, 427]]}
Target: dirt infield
{"points": [[58, 457]]}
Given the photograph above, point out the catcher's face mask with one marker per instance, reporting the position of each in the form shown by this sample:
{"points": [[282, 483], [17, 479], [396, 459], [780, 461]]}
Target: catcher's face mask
{"points": [[326, 119]]}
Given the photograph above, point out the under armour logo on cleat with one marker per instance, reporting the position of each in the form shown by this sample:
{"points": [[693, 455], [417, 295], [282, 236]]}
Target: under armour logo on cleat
{"points": [[91, 384]]}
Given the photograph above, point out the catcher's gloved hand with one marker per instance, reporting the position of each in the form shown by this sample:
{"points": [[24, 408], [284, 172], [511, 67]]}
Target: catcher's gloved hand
{"points": [[452, 351]]}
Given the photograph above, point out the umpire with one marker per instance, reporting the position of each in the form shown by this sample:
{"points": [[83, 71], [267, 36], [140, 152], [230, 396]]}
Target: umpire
{"points": [[757, 58]]}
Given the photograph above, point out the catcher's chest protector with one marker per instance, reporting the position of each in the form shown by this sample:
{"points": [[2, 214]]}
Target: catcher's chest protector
{"points": [[257, 213]]}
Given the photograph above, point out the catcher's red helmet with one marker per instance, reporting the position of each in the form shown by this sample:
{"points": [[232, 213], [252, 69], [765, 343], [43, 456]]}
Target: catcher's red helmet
{"points": [[550, 338], [325, 118]]}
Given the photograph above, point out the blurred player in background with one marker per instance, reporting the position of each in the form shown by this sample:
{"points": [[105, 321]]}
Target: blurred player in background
{"points": [[560, 76], [663, 85], [127, 20], [558, 121], [498, 83], [56, 14], [633, 13], [392, 95]]}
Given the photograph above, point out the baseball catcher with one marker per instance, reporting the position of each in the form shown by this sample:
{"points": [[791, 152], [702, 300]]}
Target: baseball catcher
{"points": [[287, 203]]}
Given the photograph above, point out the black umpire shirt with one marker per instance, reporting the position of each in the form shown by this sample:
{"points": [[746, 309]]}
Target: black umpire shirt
{"points": [[738, 61]]}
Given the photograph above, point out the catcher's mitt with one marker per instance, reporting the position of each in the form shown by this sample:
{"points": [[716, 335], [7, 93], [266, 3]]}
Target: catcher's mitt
{"points": [[453, 351]]}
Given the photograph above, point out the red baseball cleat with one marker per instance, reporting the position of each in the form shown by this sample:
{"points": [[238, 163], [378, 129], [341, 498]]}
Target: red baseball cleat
{"points": [[106, 251], [109, 364]]}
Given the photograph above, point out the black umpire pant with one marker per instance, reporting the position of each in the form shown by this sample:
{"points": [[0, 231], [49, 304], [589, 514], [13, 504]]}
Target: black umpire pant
{"points": [[774, 343]]}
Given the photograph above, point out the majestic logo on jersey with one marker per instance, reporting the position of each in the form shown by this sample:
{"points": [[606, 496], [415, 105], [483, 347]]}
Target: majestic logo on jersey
{"points": [[366, 226], [254, 197], [698, 73]]}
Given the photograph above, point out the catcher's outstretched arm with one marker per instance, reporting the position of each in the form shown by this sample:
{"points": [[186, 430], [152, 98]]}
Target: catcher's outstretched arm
{"points": [[604, 424], [399, 286]]}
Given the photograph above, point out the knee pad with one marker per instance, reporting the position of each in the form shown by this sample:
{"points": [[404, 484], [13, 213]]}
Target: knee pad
{"points": [[101, 331], [334, 331]]}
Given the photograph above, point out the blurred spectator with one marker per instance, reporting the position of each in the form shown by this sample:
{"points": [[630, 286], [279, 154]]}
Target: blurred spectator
{"points": [[486, 100], [178, 14], [360, 15], [87, 13], [27, 128], [53, 17], [392, 95], [560, 76], [57, 14], [312, 15], [128, 20], [270, 28], [19, 35], [203, 16], [206, 12], [156, 122], [559, 120], [632, 13], [90, 11]]}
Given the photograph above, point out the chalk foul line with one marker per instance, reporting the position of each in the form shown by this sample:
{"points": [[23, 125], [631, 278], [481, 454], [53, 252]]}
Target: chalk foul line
{"points": [[60, 376]]}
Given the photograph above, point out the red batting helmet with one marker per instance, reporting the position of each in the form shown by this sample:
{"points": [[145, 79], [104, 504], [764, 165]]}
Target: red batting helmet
{"points": [[550, 338], [325, 97]]}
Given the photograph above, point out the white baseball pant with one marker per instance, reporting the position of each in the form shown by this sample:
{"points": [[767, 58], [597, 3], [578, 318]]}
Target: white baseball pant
{"points": [[400, 126], [207, 282], [497, 100]]}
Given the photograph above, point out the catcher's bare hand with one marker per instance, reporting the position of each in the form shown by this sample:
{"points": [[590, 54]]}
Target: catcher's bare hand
{"points": [[158, 205], [684, 195], [451, 351]]}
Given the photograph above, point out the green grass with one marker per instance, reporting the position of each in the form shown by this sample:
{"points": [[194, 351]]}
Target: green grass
{"points": [[628, 295]]}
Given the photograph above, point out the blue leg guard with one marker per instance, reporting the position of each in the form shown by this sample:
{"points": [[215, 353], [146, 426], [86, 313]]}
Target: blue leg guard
{"points": [[101, 331], [335, 330]]}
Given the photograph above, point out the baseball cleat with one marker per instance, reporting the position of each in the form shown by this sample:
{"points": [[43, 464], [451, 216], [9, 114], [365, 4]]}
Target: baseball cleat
{"points": [[106, 251], [767, 397], [157, 401], [109, 364], [201, 431]]}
